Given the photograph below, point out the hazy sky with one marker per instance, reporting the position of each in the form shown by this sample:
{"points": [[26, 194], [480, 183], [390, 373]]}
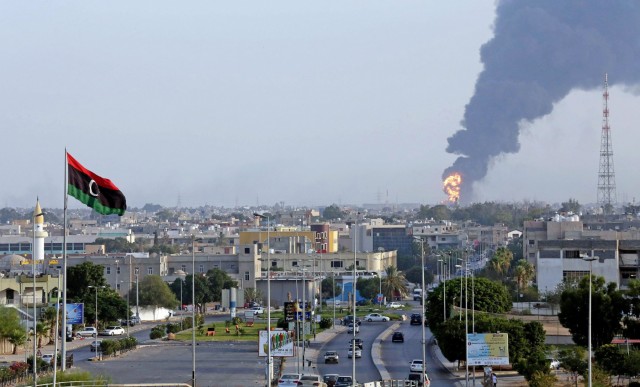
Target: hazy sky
{"points": [[250, 102]]}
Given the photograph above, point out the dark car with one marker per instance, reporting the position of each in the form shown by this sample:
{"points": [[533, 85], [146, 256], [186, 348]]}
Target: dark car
{"points": [[358, 343], [344, 381], [330, 379], [416, 319], [349, 319], [398, 337]]}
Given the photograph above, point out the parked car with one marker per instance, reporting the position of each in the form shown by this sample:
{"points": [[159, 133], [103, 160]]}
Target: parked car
{"points": [[331, 357], [47, 357], [554, 364], [394, 305], [344, 381], [289, 380], [330, 379], [257, 310], [95, 345], [416, 319], [113, 330], [351, 328], [358, 353], [419, 379], [398, 337], [135, 320], [376, 317], [311, 381], [87, 332], [416, 365]]}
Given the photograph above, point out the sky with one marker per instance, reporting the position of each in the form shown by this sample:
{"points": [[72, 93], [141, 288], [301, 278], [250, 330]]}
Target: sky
{"points": [[253, 103]]}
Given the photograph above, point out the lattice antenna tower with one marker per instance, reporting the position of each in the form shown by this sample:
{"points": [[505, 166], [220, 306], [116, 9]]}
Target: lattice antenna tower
{"points": [[606, 172]]}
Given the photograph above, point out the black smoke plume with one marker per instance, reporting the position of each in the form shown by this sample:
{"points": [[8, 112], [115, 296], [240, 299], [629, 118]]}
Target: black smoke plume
{"points": [[541, 50]]}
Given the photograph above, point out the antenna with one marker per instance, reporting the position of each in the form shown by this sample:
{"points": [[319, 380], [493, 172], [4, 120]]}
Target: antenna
{"points": [[606, 172]]}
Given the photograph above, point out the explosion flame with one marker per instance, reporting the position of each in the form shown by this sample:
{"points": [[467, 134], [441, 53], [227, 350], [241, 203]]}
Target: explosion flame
{"points": [[452, 186]]}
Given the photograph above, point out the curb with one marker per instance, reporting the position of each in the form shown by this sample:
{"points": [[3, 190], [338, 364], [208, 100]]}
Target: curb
{"points": [[376, 350]]}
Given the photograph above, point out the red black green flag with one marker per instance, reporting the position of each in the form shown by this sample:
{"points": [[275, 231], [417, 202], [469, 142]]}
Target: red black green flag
{"points": [[94, 191]]}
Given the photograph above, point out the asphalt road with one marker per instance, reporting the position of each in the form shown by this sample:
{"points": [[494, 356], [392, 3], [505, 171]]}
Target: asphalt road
{"points": [[366, 370]]}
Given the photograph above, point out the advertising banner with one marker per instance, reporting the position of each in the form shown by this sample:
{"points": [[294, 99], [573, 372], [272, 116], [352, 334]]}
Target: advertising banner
{"points": [[75, 313], [488, 348], [281, 343]]}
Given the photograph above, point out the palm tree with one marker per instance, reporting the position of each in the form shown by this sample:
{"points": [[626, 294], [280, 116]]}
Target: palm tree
{"points": [[17, 337], [394, 283], [501, 261], [42, 331]]}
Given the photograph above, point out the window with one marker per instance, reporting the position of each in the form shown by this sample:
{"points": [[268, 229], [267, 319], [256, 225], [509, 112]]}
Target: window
{"points": [[247, 250], [108, 270], [118, 269], [246, 276], [183, 268], [274, 264], [294, 263], [201, 268], [573, 276], [532, 242], [572, 254], [117, 286], [150, 270], [336, 264]]}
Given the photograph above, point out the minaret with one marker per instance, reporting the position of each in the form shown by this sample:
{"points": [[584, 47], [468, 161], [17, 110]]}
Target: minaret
{"points": [[38, 233], [606, 172]]}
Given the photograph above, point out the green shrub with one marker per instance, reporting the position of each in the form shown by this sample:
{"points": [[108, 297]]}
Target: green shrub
{"points": [[173, 328], [157, 332], [326, 323]]}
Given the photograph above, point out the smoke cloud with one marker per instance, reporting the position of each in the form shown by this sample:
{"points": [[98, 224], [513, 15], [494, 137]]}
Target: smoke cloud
{"points": [[541, 50]]}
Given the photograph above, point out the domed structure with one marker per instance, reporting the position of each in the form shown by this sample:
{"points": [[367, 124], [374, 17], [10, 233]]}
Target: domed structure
{"points": [[9, 262]]}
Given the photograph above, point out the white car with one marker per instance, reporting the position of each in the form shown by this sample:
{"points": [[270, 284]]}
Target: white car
{"points": [[47, 357], [350, 328], [376, 317], [394, 305], [311, 380], [257, 310], [416, 365], [289, 380], [358, 353], [87, 332], [555, 364], [112, 330]]}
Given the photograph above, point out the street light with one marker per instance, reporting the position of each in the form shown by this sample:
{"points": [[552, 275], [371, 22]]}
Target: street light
{"points": [[193, 311], [444, 291], [589, 259], [269, 369], [96, 320]]}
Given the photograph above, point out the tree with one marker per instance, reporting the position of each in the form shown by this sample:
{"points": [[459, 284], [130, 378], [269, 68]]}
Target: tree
{"points": [[488, 296], [10, 328], [608, 305], [573, 359], [117, 245], [501, 261], [330, 288], [333, 212], [80, 277], [571, 206], [415, 275], [368, 287], [217, 280], [49, 315], [253, 295], [153, 291], [610, 358], [393, 283], [523, 273]]}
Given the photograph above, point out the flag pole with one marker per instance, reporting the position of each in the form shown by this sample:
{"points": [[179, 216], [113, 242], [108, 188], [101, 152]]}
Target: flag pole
{"points": [[64, 268]]}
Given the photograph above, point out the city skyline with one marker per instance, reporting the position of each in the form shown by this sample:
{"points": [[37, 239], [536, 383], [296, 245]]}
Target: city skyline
{"points": [[246, 104]]}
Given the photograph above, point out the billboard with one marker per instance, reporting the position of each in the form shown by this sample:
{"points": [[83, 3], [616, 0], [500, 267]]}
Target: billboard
{"points": [[75, 313], [488, 348], [281, 343]]}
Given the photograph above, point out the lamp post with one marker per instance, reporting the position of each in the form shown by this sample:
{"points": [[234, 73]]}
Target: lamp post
{"points": [[269, 369], [460, 314], [96, 319], [444, 291], [33, 263], [57, 329], [137, 295], [424, 341], [193, 311], [589, 259]]}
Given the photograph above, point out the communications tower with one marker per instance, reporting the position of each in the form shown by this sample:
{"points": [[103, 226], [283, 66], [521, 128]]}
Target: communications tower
{"points": [[606, 172]]}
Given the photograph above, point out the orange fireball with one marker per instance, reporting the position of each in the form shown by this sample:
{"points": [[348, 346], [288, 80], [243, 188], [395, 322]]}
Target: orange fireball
{"points": [[452, 186]]}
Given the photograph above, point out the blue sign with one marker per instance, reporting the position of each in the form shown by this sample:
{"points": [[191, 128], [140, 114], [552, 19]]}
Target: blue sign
{"points": [[75, 313]]}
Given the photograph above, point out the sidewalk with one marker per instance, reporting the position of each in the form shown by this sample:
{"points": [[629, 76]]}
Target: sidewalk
{"points": [[49, 348]]}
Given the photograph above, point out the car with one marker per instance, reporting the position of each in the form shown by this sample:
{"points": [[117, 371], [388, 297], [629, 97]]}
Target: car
{"points": [[358, 353], [87, 332], [418, 379], [394, 305], [554, 364], [289, 380], [358, 343], [398, 337], [95, 345], [135, 320], [112, 330], [344, 381], [416, 365], [351, 327], [416, 319], [331, 357], [349, 318], [47, 357], [311, 380], [376, 317], [257, 310], [330, 379]]}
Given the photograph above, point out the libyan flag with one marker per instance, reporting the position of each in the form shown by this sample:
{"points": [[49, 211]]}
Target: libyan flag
{"points": [[94, 191]]}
